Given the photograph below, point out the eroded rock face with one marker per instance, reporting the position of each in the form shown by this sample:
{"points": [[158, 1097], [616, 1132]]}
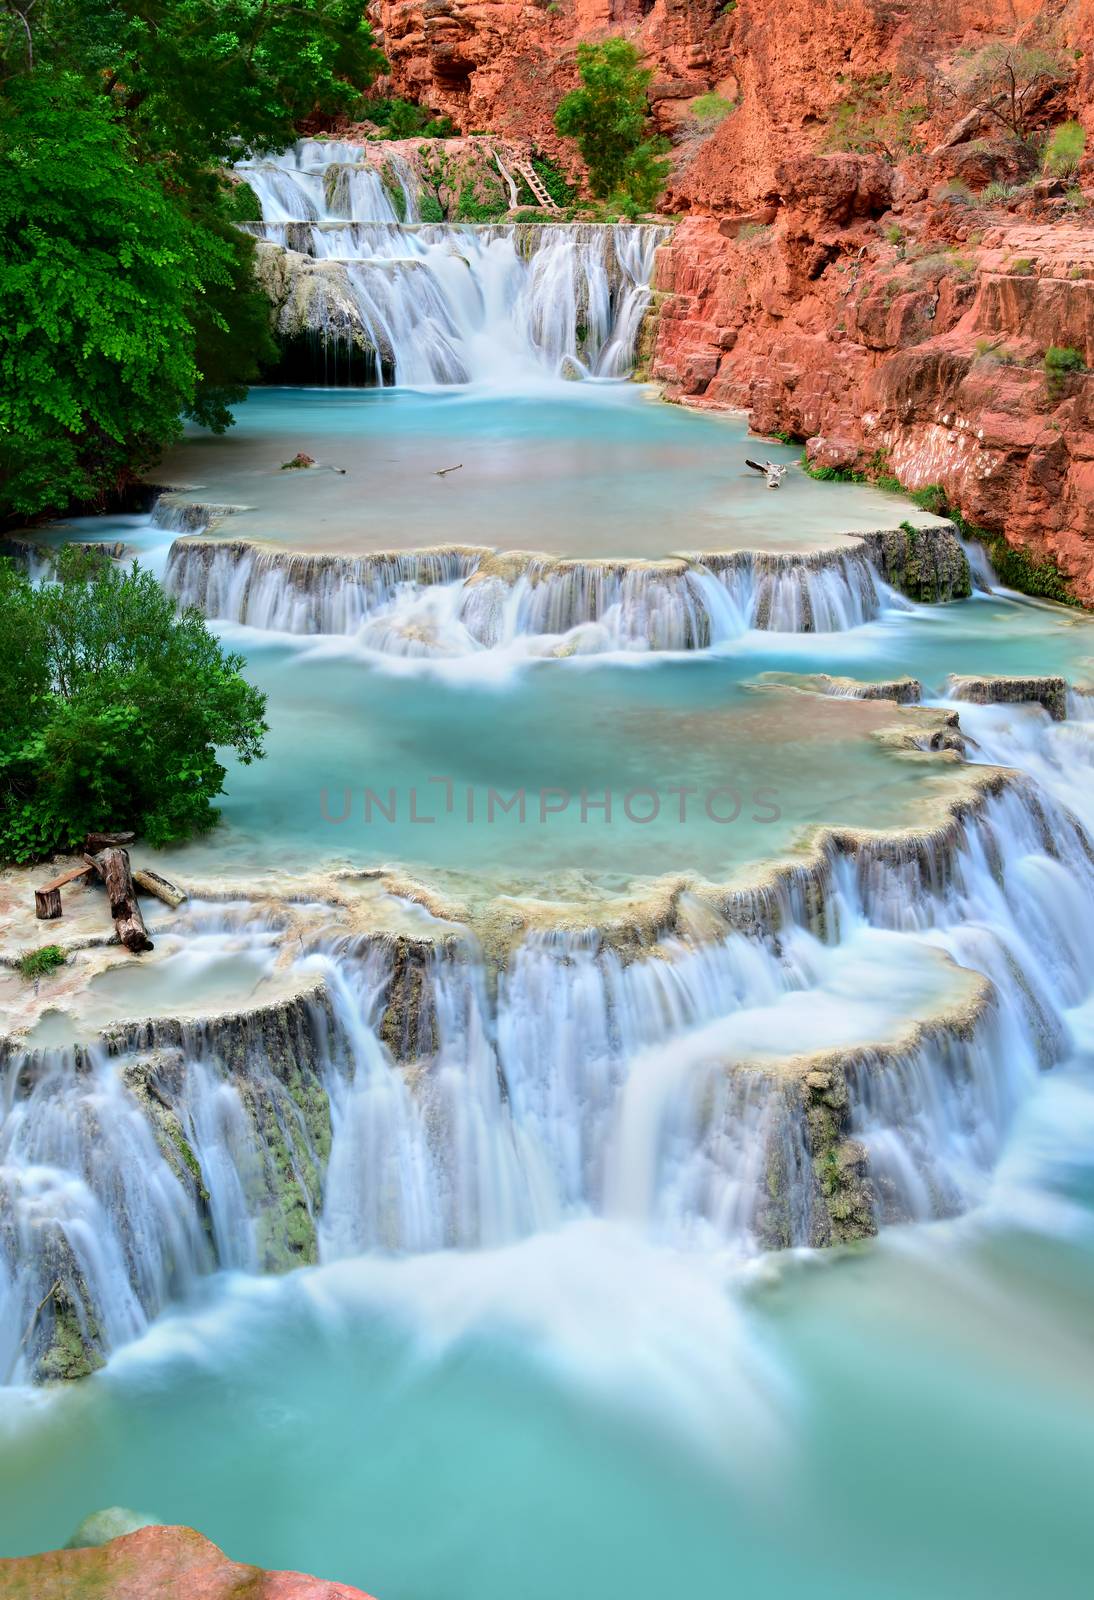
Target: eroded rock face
{"points": [[169, 1563], [846, 296]]}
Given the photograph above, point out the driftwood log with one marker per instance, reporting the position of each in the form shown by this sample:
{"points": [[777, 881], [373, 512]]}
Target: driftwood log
{"points": [[102, 841], [112, 865], [163, 889]]}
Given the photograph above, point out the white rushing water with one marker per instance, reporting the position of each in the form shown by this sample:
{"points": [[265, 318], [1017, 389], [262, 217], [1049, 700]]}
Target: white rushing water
{"points": [[438, 604], [445, 303], [645, 1091]]}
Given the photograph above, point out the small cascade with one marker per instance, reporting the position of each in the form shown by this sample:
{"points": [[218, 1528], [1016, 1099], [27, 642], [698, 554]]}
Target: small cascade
{"points": [[377, 296], [458, 601]]}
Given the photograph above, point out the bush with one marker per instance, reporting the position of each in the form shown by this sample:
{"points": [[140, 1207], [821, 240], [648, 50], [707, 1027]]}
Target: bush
{"points": [[711, 109], [1060, 363], [999, 194], [1065, 150], [112, 707], [609, 118], [41, 962], [404, 119], [867, 122]]}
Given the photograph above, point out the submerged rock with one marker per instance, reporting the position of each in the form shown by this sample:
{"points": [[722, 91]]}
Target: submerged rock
{"points": [[156, 1563]]}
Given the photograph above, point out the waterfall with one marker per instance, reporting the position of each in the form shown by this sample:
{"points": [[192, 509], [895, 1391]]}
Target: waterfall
{"points": [[758, 1088], [353, 272], [452, 602]]}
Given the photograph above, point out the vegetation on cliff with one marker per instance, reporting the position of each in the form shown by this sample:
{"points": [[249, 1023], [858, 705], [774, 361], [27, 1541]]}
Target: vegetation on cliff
{"points": [[609, 117], [130, 291], [112, 707]]}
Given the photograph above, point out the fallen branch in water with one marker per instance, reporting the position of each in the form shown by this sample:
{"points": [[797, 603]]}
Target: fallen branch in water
{"points": [[32, 1324], [441, 473]]}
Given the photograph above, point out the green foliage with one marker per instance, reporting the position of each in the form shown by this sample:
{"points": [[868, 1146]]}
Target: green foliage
{"points": [[609, 118], [403, 119], [1000, 194], [1015, 569], [931, 498], [1065, 150], [894, 233], [40, 963], [1061, 362], [1020, 267], [1007, 82], [395, 192], [711, 109], [430, 208], [554, 181], [490, 203], [867, 121], [112, 707], [198, 81], [241, 203], [129, 290], [100, 271]]}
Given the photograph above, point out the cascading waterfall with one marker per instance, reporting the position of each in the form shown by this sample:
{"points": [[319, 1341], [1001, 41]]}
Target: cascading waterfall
{"points": [[352, 270], [450, 603], [582, 1083]]}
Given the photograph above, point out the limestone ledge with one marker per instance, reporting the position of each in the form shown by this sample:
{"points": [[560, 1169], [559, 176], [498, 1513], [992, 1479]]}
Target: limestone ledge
{"points": [[251, 580], [1049, 692]]}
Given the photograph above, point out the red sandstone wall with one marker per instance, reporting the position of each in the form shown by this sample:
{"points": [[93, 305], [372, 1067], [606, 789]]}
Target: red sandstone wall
{"points": [[781, 291]]}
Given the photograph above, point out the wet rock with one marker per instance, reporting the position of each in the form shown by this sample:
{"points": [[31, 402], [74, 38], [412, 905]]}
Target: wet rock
{"points": [[161, 1562], [1050, 692]]}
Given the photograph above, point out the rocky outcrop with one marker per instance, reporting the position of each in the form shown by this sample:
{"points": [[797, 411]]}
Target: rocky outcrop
{"points": [[1051, 693], [168, 1563]]}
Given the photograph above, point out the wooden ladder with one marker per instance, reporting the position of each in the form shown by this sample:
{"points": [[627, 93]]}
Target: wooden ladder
{"points": [[535, 183]]}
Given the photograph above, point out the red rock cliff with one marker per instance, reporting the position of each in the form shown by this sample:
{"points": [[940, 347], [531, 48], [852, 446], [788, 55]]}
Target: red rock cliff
{"points": [[877, 304]]}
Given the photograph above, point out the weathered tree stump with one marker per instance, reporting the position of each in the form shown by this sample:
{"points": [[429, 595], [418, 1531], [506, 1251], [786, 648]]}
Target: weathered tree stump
{"points": [[112, 865], [47, 904]]}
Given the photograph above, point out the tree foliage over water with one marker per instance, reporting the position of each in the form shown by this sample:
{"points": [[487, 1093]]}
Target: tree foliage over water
{"points": [[609, 117], [112, 707], [128, 292]]}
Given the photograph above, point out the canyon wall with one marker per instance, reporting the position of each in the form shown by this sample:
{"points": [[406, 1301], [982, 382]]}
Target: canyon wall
{"points": [[838, 270]]}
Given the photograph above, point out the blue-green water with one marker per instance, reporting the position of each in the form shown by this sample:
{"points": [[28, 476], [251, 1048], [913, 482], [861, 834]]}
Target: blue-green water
{"points": [[589, 470], [589, 1411], [589, 1415]]}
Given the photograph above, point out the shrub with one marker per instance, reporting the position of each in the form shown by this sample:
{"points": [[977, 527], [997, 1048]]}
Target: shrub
{"points": [[711, 109], [894, 233], [430, 208], [405, 119], [609, 118], [41, 962], [1065, 150], [487, 206], [112, 707], [999, 194], [1020, 267], [1060, 363], [1005, 82], [867, 122]]}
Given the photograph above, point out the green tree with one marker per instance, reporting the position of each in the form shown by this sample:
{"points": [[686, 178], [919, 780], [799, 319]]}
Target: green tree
{"points": [[609, 118], [129, 292], [100, 272], [113, 705]]}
